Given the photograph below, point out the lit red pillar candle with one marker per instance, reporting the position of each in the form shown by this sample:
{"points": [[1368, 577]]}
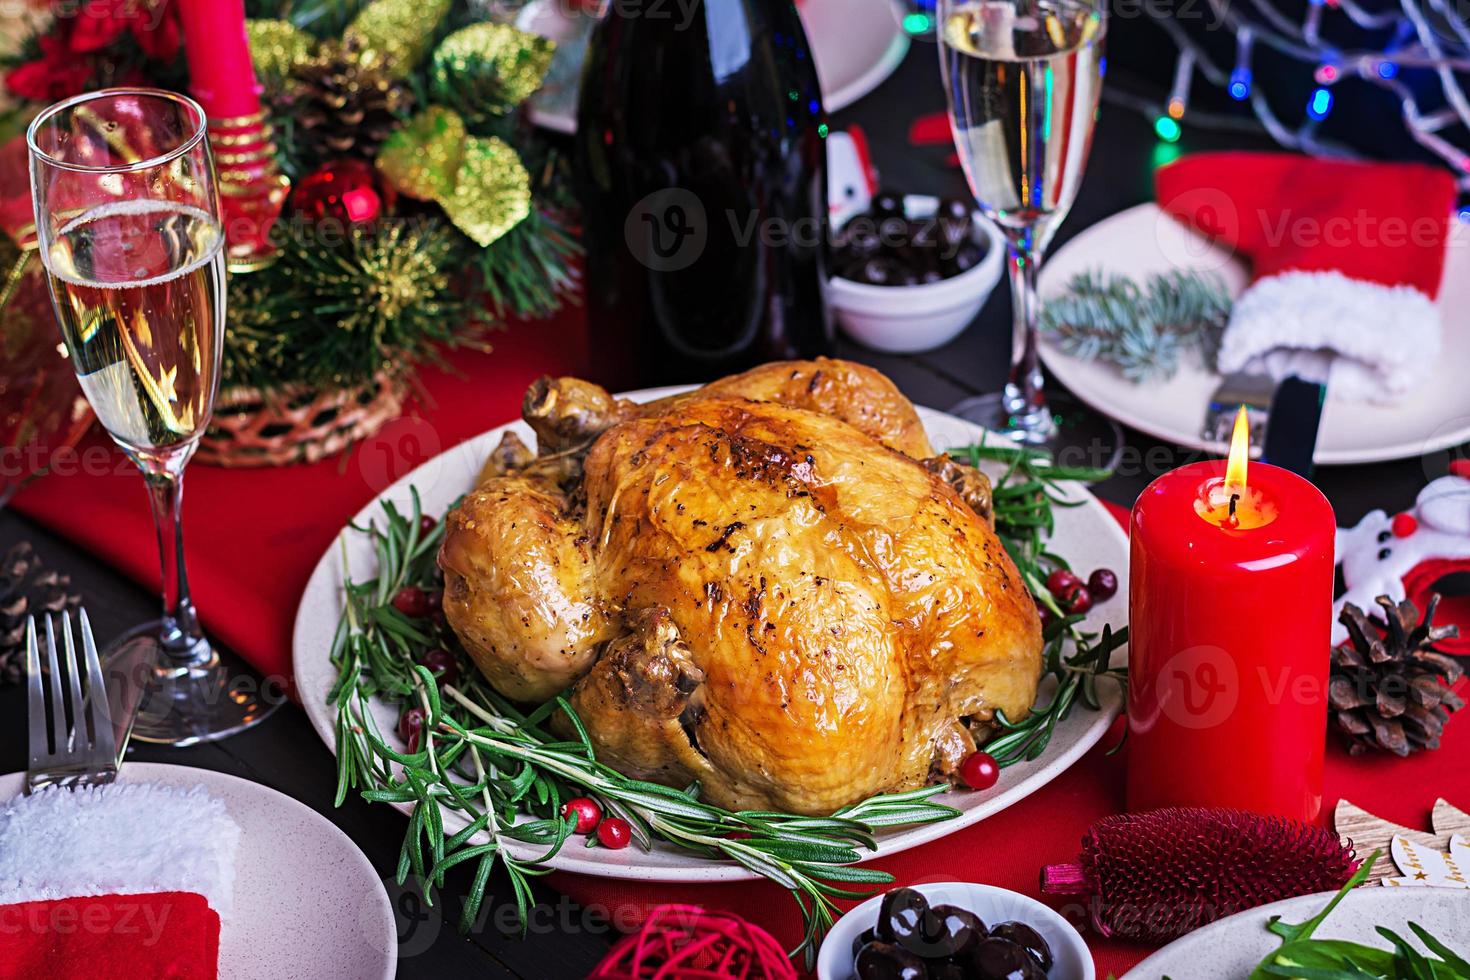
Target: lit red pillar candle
{"points": [[1229, 638]]}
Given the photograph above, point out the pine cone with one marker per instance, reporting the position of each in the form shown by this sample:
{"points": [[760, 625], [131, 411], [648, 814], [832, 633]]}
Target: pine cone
{"points": [[1390, 687], [344, 107], [26, 588]]}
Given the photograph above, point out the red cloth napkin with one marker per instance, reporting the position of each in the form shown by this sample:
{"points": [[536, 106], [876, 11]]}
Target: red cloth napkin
{"points": [[254, 535], [166, 936]]}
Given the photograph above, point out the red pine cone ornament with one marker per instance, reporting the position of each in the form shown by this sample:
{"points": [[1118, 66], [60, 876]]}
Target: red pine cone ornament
{"points": [[1155, 876], [685, 942]]}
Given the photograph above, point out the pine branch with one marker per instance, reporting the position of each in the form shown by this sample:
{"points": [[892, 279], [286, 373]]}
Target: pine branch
{"points": [[1146, 331]]}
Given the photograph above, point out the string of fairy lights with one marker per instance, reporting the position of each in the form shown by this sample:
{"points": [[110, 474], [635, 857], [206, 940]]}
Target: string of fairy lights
{"points": [[1430, 39], [1421, 35]]}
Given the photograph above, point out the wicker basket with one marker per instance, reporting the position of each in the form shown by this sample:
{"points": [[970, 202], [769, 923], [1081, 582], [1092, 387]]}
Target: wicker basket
{"points": [[296, 424]]}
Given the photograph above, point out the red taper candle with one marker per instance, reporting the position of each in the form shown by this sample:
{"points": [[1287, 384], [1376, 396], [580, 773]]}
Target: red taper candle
{"points": [[221, 74], [1230, 619]]}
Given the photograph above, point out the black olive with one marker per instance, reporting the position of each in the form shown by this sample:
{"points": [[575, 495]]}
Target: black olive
{"points": [[883, 961], [953, 209], [859, 238], [1027, 938], [886, 204], [1001, 959], [947, 970], [931, 275], [877, 272], [863, 938], [893, 233], [899, 914], [968, 256], [945, 931]]}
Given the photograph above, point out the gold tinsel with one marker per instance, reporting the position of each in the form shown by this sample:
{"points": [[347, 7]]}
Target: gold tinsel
{"points": [[480, 182], [395, 33], [493, 193], [277, 47], [422, 157], [516, 60]]}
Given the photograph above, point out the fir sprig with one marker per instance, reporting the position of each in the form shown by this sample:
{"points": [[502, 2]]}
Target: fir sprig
{"points": [[1144, 330], [1025, 497]]}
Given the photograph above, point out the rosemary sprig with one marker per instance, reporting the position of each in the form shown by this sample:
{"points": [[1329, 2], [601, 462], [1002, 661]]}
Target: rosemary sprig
{"points": [[504, 774], [1025, 497]]}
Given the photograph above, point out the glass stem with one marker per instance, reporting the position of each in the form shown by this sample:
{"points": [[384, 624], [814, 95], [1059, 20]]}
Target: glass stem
{"points": [[1025, 397], [180, 634]]}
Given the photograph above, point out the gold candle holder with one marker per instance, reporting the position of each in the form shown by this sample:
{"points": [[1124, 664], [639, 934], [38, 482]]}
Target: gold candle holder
{"points": [[252, 189]]}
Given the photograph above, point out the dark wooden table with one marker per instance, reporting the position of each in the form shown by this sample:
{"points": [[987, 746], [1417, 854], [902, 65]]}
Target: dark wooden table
{"points": [[563, 939]]}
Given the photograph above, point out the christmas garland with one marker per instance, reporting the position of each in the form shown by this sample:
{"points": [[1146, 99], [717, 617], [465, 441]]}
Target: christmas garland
{"points": [[423, 210]]}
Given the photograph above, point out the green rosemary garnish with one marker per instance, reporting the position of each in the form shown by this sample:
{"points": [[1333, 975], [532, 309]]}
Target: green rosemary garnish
{"points": [[1026, 494]]}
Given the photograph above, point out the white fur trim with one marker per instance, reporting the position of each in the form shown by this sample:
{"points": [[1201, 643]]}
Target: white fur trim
{"points": [[1368, 341], [123, 839]]}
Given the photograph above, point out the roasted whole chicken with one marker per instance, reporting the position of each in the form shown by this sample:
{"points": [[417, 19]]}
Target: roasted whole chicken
{"points": [[771, 585]]}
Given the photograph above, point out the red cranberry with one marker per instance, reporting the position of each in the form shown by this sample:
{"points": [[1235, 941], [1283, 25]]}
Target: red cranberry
{"points": [[1075, 599], [411, 726], [413, 601], [1060, 581], [426, 525], [1103, 584], [614, 833], [442, 664], [1047, 616], [586, 811], [979, 770]]}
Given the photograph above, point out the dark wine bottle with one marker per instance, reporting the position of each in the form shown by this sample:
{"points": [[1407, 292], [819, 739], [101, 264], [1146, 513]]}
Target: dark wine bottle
{"points": [[701, 166]]}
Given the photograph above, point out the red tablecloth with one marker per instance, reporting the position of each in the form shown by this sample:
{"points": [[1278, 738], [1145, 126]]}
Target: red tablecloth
{"points": [[254, 536]]}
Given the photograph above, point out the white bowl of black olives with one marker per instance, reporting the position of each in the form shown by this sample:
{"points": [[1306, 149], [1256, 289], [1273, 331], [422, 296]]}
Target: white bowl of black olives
{"points": [[953, 930], [912, 272]]}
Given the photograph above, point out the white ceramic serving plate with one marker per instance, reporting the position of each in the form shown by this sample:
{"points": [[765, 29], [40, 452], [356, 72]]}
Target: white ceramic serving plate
{"points": [[1071, 959], [1087, 535], [1230, 949], [909, 319], [856, 44], [1144, 240], [307, 903]]}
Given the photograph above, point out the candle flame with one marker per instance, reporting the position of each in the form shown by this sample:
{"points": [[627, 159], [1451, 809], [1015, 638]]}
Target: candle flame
{"points": [[1240, 450]]}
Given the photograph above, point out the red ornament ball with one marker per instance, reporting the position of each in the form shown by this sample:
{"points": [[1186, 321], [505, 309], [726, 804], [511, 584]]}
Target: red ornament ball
{"points": [[614, 833], [979, 770], [1404, 525], [585, 810], [344, 190]]}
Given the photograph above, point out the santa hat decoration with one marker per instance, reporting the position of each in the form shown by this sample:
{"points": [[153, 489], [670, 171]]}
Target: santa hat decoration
{"points": [[1346, 263], [148, 903], [1411, 555]]}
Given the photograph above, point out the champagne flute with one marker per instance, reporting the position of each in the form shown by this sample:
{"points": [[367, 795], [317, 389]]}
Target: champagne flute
{"points": [[128, 219], [1022, 80]]}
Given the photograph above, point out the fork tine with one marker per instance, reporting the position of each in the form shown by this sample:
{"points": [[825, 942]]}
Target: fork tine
{"points": [[80, 739], [99, 711], [35, 696], [58, 715]]}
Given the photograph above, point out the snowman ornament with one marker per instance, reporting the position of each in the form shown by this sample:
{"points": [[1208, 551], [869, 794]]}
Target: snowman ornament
{"points": [[1403, 556]]}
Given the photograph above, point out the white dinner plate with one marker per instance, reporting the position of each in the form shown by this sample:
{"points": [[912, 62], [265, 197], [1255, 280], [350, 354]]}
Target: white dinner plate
{"points": [[1087, 535], [856, 44], [307, 903], [1230, 949], [1144, 240]]}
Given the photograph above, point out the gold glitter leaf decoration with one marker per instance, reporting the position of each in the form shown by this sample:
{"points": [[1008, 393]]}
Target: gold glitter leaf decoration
{"points": [[422, 158], [395, 33], [493, 193], [491, 62], [277, 47]]}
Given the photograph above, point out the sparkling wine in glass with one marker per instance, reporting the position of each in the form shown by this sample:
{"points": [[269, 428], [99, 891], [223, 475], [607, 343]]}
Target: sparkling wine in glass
{"points": [[1022, 80], [128, 217]]}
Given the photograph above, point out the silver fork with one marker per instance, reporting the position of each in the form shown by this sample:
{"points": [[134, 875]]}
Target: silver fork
{"points": [[78, 748]]}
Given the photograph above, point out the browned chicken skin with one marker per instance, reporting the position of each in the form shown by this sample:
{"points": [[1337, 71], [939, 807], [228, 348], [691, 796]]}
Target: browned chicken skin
{"points": [[761, 585]]}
